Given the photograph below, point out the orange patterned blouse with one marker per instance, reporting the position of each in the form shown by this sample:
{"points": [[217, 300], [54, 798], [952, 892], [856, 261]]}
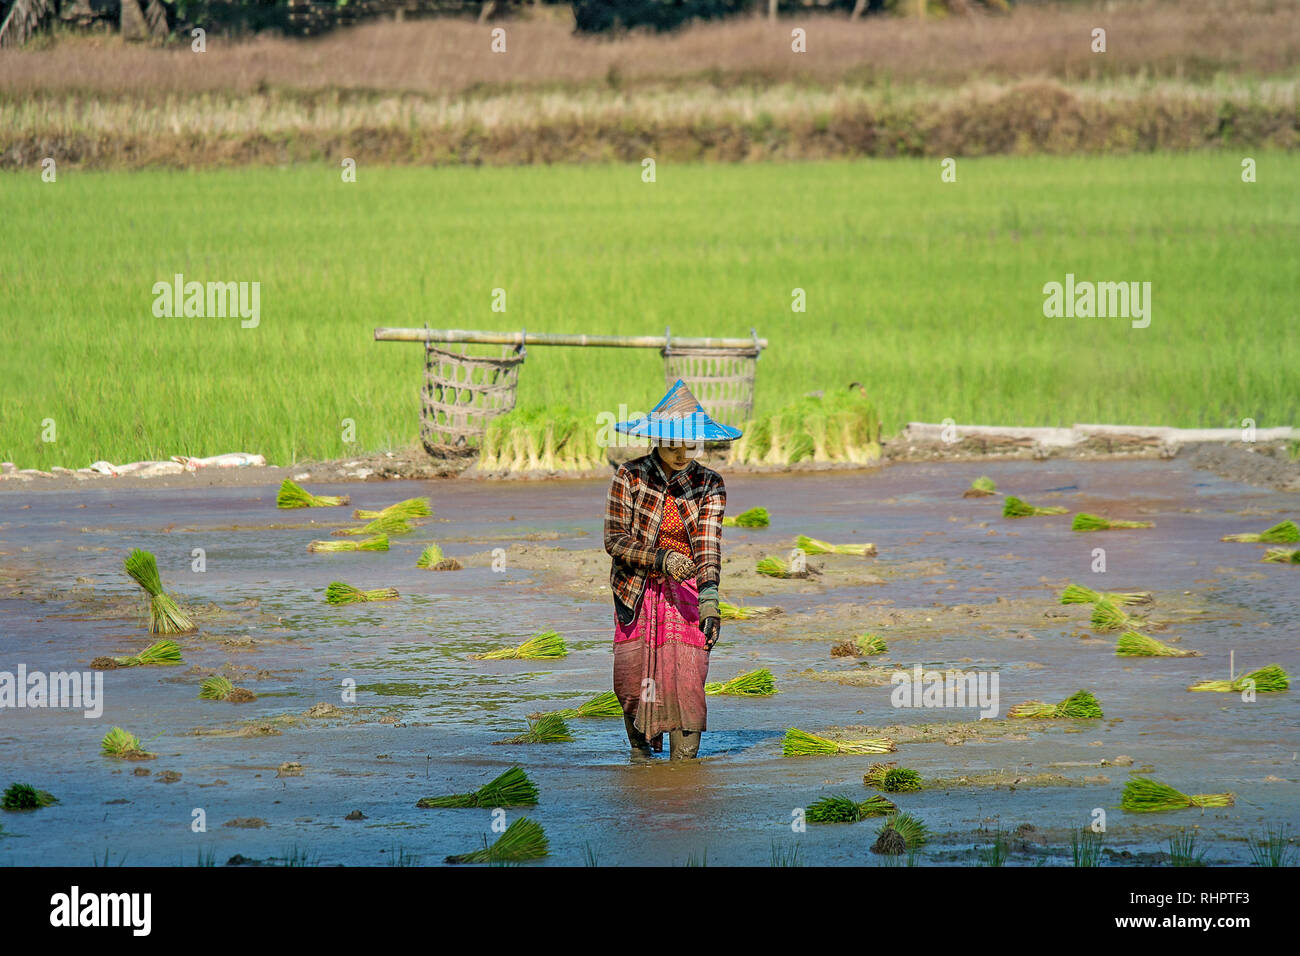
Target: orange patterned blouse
{"points": [[672, 531]]}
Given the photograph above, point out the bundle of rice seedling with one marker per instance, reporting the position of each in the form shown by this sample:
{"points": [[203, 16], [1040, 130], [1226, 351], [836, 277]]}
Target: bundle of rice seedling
{"points": [[875, 774], [1013, 507], [1078, 594], [1282, 556], [165, 616], [1151, 796], [981, 487], [378, 543], [799, 743], [864, 645], [410, 508], [523, 840], [547, 646], [511, 789], [546, 729], [753, 518], [602, 705], [776, 568], [340, 593], [1285, 532], [1133, 644], [900, 780], [432, 559], [1270, 679], [759, 683], [743, 612], [1086, 522], [1107, 617], [814, 546], [125, 746], [847, 810], [291, 496], [385, 524], [23, 796], [1079, 704], [901, 832], [217, 687], [159, 654]]}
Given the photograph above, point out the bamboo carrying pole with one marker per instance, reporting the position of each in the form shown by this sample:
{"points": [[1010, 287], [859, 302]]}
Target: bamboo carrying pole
{"points": [[536, 338]]}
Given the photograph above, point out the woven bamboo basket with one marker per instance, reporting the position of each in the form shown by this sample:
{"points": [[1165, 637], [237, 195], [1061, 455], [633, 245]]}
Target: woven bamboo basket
{"points": [[463, 392], [722, 379]]}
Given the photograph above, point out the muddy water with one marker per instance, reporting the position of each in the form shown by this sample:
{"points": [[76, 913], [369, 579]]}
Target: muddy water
{"points": [[426, 715]]}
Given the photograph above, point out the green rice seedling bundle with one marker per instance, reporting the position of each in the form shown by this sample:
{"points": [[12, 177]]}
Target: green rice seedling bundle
{"points": [[547, 646], [1270, 679], [753, 518], [23, 796], [432, 559], [1087, 522], [901, 832], [165, 616], [217, 687], [757, 683], [1078, 594], [841, 426], [1013, 507], [1133, 644], [123, 745], [981, 487], [743, 612], [292, 496], [387, 524], [1151, 796], [799, 743], [1285, 532], [340, 593], [875, 774], [814, 546], [1079, 704], [900, 780], [158, 654], [843, 809], [1107, 617], [511, 789], [602, 705], [546, 729], [378, 543], [776, 568], [523, 840], [410, 508], [864, 645], [1282, 555]]}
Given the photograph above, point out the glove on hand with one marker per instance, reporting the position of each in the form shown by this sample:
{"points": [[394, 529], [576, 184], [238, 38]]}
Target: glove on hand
{"points": [[679, 565], [710, 616]]}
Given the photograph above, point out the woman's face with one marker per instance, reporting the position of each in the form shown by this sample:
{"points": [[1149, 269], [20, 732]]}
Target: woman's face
{"points": [[677, 455]]}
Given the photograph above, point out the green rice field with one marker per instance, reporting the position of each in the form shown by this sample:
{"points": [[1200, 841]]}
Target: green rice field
{"points": [[929, 293]]}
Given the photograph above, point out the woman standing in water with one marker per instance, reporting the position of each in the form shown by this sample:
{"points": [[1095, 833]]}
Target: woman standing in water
{"points": [[663, 529]]}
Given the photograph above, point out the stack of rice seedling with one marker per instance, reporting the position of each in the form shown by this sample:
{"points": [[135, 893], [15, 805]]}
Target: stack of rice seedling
{"points": [[292, 496], [1088, 522], [776, 568], [799, 743], [1270, 679], [1078, 594], [340, 593], [523, 840], [385, 524], [841, 426], [410, 508], [901, 832], [1107, 617], [158, 654], [758, 683], [981, 487], [378, 543], [602, 705], [814, 546], [753, 518], [217, 687], [432, 559], [1282, 555], [1150, 796], [23, 796], [1285, 532], [1079, 704], [511, 789], [1013, 507], [843, 809], [165, 616], [864, 645], [555, 439], [1133, 644], [546, 729], [892, 778], [125, 746], [547, 646], [743, 612]]}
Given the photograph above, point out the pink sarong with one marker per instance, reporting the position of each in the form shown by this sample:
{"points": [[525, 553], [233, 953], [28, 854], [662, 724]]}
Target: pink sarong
{"points": [[660, 662]]}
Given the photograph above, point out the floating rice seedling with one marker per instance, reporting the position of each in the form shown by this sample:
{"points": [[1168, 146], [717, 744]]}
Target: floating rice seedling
{"points": [[1013, 507], [158, 654], [165, 616], [814, 546], [432, 559], [1107, 617], [1087, 522], [799, 743], [743, 612], [776, 568], [123, 745], [292, 496], [511, 789], [546, 729], [864, 645], [847, 810], [523, 840], [1079, 704], [410, 508], [217, 687], [23, 796], [1151, 796], [388, 524], [340, 593], [875, 774], [1133, 644], [900, 780], [602, 705], [758, 683], [753, 518], [1285, 532], [1282, 556], [1270, 679], [547, 646], [981, 487], [1078, 594], [901, 832], [378, 543]]}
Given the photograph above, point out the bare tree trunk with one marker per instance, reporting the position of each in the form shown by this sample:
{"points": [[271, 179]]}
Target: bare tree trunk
{"points": [[859, 8], [771, 10], [485, 13]]}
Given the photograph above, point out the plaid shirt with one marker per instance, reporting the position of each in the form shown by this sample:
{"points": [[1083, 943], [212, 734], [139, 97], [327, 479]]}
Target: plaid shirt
{"points": [[634, 509]]}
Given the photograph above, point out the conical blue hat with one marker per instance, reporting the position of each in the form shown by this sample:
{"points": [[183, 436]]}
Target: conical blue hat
{"points": [[679, 416]]}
